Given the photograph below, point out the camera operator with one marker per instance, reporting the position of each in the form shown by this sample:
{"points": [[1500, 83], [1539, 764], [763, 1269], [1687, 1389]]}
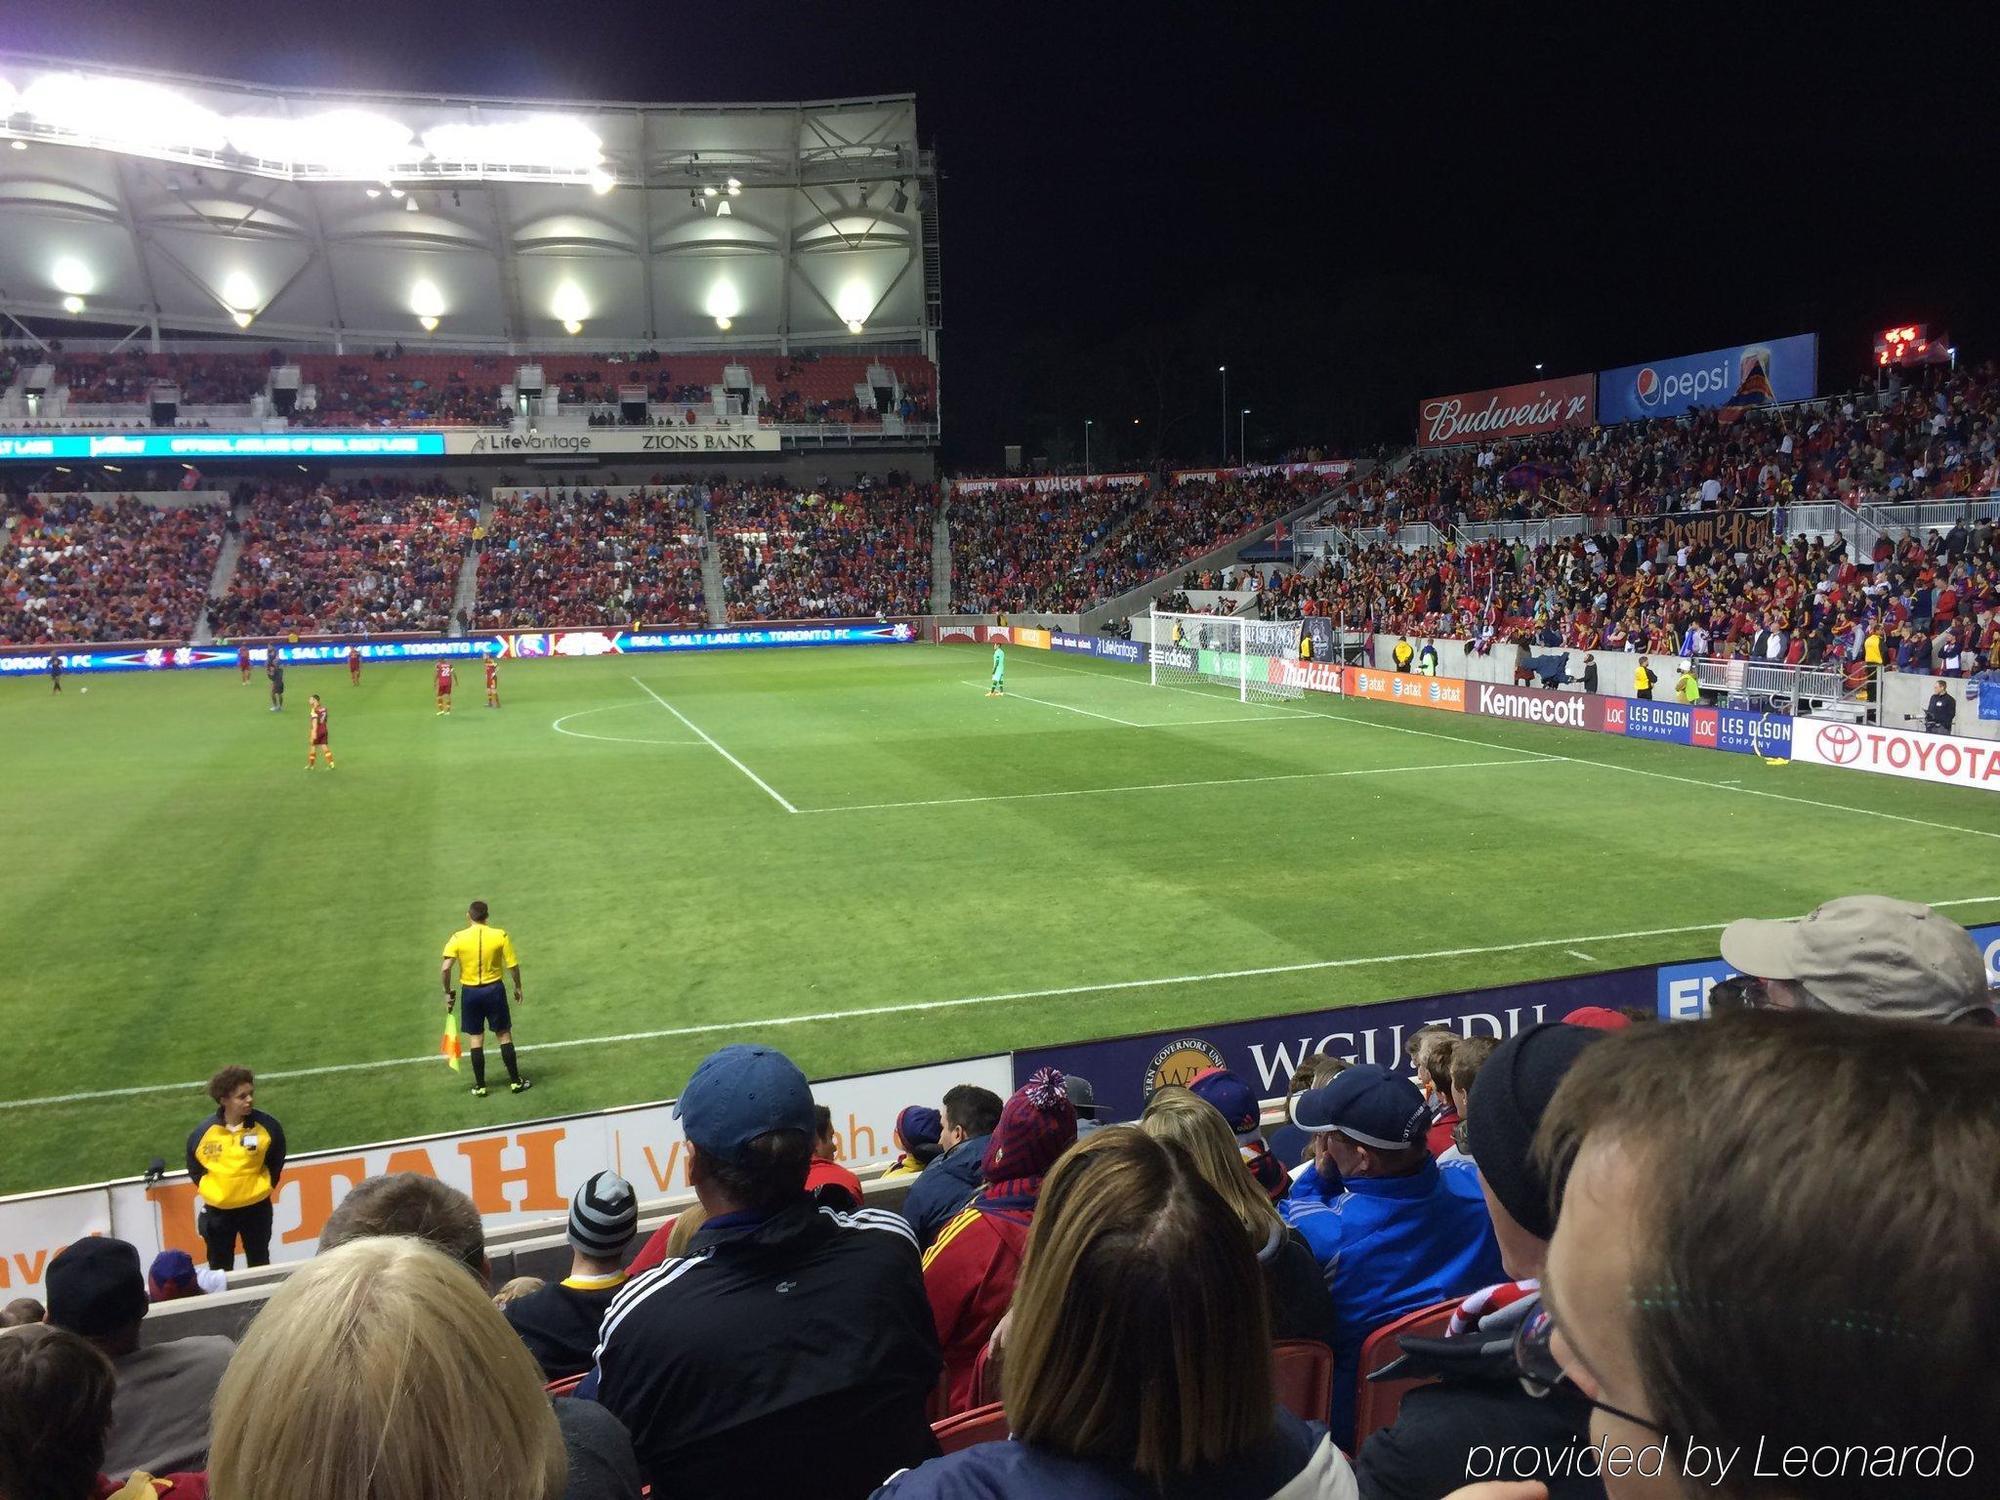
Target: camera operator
{"points": [[1940, 711]]}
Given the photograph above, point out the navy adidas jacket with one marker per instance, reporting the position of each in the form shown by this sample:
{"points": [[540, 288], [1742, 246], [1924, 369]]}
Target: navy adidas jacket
{"points": [[790, 1355], [946, 1186]]}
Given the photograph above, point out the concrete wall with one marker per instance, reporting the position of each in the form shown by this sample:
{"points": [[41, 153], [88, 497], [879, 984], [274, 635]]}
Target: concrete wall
{"points": [[1906, 693]]}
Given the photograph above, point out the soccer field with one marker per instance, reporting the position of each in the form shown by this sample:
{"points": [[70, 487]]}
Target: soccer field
{"points": [[853, 854]]}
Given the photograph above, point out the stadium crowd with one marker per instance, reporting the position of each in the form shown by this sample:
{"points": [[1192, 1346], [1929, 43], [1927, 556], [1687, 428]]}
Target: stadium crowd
{"points": [[593, 557], [1579, 1239], [379, 556], [1012, 552], [74, 570], [1927, 604], [825, 552]]}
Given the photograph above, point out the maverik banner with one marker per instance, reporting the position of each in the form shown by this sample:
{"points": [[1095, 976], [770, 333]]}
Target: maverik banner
{"points": [[1127, 1070], [515, 1174], [1537, 706], [1746, 375], [1946, 759], [1507, 411]]}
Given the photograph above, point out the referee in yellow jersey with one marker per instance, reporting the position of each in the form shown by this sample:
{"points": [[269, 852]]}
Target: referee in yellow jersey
{"points": [[484, 954]]}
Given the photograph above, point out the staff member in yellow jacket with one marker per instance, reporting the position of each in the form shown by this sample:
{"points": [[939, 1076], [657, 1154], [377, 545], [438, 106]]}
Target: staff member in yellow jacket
{"points": [[235, 1158], [485, 956]]}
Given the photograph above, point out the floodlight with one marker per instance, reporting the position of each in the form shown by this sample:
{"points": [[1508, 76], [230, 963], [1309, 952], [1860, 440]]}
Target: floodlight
{"points": [[724, 302], [569, 305], [601, 181], [855, 325], [19, 145], [709, 190], [410, 204], [572, 326], [71, 275], [723, 324], [238, 291], [854, 304], [427, 302], [429, 324], [723, 210], [344, 142], [374, 192], [552, 141], [127, 110], [241, 319], [735, 187], [395, 192], [72, 304]]}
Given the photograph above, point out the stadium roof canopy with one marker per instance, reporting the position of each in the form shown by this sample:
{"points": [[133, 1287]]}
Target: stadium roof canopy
{"points": [[310, 216]]}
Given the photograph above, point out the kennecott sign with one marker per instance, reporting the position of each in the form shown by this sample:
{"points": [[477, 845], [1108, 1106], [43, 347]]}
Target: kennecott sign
{"points": [[1534, 706], [1897, 752], [1507, 411]]}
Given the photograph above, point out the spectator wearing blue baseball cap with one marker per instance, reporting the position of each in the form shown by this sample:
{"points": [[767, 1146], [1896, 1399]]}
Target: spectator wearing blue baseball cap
{"points": [[1403, 1233], [1243, 1112], [791, 1350]]}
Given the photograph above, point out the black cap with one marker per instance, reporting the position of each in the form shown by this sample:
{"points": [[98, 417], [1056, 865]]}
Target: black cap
{"points": [[1509, 1098], [96, 1287]]}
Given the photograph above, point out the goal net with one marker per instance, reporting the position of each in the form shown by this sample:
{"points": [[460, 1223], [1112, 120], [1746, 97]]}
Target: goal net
{"points": [[1221, 649]]}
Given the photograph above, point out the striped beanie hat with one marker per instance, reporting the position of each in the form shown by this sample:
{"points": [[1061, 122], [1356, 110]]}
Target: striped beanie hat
{"points": [[603, 1216], [1037, 1124]]}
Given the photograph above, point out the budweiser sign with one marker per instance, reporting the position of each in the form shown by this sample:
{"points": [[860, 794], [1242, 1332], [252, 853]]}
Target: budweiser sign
{"points": [[1509, 411]]}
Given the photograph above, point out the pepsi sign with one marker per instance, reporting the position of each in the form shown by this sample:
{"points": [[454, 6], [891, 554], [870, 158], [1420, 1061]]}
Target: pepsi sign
{"points": [[1746, 375]]}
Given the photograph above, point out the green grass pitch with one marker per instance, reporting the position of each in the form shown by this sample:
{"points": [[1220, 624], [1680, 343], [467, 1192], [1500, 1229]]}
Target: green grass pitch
{"points": [[861, 831]]}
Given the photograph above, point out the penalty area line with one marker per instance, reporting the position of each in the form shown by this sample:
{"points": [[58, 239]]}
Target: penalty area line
{"points": [[912, 1007]]}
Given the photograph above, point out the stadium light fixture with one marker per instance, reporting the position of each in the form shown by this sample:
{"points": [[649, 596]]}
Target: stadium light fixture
{"points": [[601, 181], [569, 306], [374, 192], [555, 142], [239, 292], [410, 204], [128, 111], [395, 192], [853, 305], [427, 302], [18, 145], [241, 319], [735, 187], [72, 304], [723, 210], [855, 325], [709, 191], [900, 201], [724, 303], [344, 142], [429, 325], [71, 275], [572, 326]]}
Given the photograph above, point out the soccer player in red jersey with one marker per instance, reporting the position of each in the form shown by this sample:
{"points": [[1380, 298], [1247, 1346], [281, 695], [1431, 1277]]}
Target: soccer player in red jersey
{"points": [[317, 740], [243, 663], [492, 683], [444, 687], [354, 666]]}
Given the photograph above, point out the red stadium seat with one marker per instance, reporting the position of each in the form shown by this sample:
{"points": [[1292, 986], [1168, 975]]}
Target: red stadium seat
{"points": [[983, 1424], [1302, 1377], [1376, 1402], [564, 1386]]}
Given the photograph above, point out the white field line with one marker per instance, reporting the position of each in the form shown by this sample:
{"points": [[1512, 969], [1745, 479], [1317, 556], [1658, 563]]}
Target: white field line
{"points": [[769, 790], [1068, 708], [916, 1006], [612, 739], [1171, 786], [1579, 953], [1581, 760]]}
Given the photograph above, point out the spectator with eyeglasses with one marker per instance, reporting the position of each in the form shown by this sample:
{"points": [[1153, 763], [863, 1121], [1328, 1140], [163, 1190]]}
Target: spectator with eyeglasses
{"points": [[1777, 1248], [1861, 956]]}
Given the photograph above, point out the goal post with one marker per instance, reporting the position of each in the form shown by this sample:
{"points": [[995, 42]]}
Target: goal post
{"points": [[1223, 651]]}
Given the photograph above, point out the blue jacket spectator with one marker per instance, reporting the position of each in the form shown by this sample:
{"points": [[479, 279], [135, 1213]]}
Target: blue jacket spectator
{"points": [[951, 1181], [1405, 1232]]}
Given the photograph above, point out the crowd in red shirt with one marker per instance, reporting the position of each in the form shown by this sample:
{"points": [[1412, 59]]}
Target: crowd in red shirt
{"points": [[71, 570], [593, 557]]}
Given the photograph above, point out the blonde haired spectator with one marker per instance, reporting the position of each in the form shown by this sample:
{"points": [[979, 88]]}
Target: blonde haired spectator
{"points": [[516, 1289]]}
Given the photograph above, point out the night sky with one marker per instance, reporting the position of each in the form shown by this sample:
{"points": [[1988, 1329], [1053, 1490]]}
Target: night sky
{"points": [[1350, 207]]}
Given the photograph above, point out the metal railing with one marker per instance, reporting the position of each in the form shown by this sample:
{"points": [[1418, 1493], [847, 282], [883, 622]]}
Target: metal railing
{"points": [[1744, 683]]}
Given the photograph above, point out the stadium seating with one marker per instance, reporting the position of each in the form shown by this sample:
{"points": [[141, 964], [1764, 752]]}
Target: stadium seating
{"points": [[856, 552], [593, 558], [71, 570], [1302, 1377], [1016, 552], [331, 559], [1377, 1400], [983, 1424]]}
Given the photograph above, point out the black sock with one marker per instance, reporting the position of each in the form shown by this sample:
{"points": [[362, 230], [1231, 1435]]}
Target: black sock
{"points": [[507, 1057], [479, 1067]]}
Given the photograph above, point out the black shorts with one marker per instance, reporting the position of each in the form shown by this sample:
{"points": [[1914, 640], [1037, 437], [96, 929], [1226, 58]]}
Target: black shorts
{"points": [[481, 1003]]}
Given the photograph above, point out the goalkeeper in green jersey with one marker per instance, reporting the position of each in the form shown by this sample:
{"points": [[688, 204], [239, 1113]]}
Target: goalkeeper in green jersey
{"points": [[999, 674]]}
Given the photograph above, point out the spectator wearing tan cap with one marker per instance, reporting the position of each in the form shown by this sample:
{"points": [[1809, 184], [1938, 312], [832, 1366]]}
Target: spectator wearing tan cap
{"points": [[1864, 956]]}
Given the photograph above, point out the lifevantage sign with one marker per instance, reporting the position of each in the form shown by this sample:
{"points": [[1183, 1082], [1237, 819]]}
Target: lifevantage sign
{"points": [[596, 442]]}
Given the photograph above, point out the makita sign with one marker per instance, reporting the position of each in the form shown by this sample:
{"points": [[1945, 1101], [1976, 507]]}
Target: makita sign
{"points": [[1537, 706]]}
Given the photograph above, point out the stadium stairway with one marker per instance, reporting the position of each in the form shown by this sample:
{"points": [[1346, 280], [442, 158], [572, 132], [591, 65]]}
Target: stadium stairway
{"points": [[941, 564], [711, 575], [465, 602], [225, 569]]}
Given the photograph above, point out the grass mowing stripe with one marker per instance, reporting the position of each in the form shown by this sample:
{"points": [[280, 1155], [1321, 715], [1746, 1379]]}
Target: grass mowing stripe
{"points": [[909, 1007], [1174, 786], [770, 790]]}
